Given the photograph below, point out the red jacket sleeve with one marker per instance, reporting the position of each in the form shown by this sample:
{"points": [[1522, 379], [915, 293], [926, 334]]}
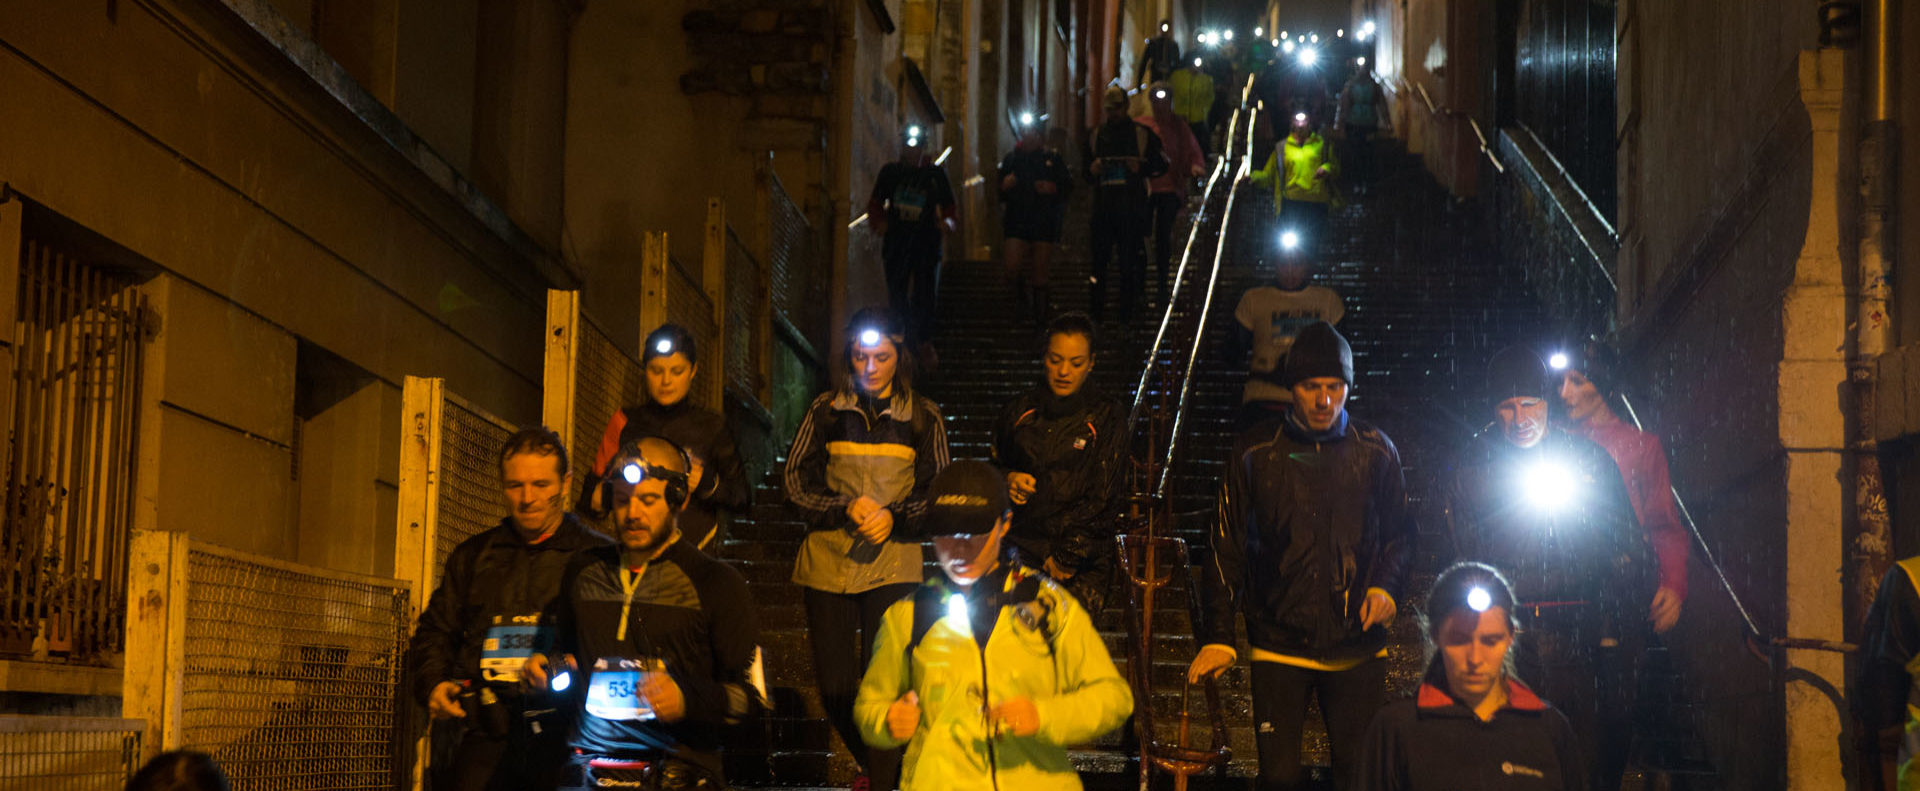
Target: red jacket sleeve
{"points": [[1653, 503]]}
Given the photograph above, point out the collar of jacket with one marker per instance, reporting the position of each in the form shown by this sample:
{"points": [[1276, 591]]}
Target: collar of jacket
{"points": [[669, 410], [1055, 407], [570, 528], [1299, 430], [899, 407], [1435, 699]]}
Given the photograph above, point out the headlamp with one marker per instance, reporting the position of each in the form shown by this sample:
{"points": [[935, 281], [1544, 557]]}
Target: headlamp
{"points": [[1026, 119], [1196, 63], [1276, 42], [1362, 60], [1366, 28], [561, 681], [1286, 45], [1309, 56], [1289, 240], [1299, 118], [1478, 600], [1258, 31], [958, 614], [1202, 38], [1227, 35], [1164, 27], [633, 473], [663, 347], [1283, 35], [1340, 33], [1549, 486], [1160, 94], [1313, 38], [1558, 361], [870, 338]]}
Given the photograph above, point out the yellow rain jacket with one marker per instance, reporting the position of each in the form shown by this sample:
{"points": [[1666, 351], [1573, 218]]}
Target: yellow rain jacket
{"points": [[1192, 93], [1296, 181], [1045, 650]]}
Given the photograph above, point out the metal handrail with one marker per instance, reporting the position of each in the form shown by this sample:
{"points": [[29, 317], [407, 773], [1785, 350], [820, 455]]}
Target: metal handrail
{"points": [[1458, 115]]}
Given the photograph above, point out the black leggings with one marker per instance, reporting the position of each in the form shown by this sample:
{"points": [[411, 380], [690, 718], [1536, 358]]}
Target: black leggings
{"points": [[1165, 207], [1348, 698], [841, 628]]}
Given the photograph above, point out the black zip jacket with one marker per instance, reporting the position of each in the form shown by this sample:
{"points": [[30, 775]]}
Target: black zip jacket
{"points": [[1075, 448], [689, 611], [1589, 553], [493, 573], [1306, 525], [1114, 186], [705, 436], [1435, 743]]}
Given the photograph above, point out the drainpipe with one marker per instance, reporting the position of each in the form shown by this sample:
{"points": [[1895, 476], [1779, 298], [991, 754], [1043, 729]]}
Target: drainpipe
{"points": [[1872, 542]]}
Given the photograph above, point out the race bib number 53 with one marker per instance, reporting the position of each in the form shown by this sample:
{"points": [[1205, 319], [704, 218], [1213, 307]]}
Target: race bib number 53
{"points": [[614, 692]]}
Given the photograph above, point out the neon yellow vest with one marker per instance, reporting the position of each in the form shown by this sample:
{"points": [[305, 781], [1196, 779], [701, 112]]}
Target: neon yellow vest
{"points": [[1910, 746]]}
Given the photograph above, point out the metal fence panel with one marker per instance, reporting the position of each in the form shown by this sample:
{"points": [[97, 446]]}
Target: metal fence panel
{"points": [[746, 318], [292, 673], [799, 280], [469, 475], [605, 380], [689, 307], [68, 753]]}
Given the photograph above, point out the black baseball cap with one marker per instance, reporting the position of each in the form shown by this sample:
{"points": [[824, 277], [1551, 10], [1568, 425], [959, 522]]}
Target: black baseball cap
{"points": [[966, 498]]}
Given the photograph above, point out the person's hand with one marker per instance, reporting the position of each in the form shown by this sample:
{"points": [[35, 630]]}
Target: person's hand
{"points": [[1058, 572], [1665, 611], [1209, 663], [949, 224], [1020, 486], [1377, 609], [1017, 717], [1133, 166], [1045, 187], [877, 527], [861, 508], [1008, 182], [444, 701], [903, 717], [1198, 171], [664, 697], [1321, 172], [538, 670], [1097, 164], [694, 475]]}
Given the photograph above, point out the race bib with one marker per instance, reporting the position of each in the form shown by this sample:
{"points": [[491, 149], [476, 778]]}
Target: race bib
{"points": [[908, 203], [509, 642], [1113, 175], [614, 692]]}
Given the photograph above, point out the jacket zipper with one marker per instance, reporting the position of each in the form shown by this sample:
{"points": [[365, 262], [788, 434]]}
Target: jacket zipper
{"points": [[993, 761]]}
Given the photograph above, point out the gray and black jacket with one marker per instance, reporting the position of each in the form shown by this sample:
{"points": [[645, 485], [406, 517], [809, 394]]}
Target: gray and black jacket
{"points": [[849, 446]]}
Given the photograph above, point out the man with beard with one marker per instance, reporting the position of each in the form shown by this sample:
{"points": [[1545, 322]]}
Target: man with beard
{"points": [[656, 643], [486, 618]]}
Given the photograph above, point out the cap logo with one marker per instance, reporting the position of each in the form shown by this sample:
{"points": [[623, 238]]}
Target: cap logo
{"points": [[960, 500]]}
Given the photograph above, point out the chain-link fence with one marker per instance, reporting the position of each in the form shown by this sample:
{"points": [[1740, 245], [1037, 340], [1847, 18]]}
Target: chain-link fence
{"points": [[604, 379], [689, 306], [469, 482], [68, 753], [292, 674], [800, 280], [746, 316]]}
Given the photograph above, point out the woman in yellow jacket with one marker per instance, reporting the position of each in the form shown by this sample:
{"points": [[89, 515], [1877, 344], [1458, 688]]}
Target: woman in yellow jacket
{"points": [[989, 672], [1301, 172]]}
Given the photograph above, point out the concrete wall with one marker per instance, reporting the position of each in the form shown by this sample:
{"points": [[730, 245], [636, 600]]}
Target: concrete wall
{"points": [[280, 208]]}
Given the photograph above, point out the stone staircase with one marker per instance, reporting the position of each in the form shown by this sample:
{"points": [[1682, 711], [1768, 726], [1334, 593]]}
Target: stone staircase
{"points": [[1426, 307]]}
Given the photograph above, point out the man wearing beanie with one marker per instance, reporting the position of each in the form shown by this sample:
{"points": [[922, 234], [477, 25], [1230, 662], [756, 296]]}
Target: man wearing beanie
{"points": [[1311, 546], [1042, 677], [1549, 509]]}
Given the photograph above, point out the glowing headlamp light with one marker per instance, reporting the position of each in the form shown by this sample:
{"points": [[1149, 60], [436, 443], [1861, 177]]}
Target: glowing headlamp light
{"points": [[1286, 45], [1160, 94], [1362, 60], [1299, 118], [561, 681], [632, 473], [1275, 42], [1478, 600], [1341, 33], [1558, 361], [663, 347], [869, 338], [1549, 486], [957, 613], [1196, 63], [1313, 38], [1258, 31], [1309, 56], [1289, 240], [1026, 119], [1164, 27], [1228, 35]]}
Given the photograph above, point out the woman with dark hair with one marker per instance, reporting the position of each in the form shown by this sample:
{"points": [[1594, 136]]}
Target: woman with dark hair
{"points": [[719, 480], [1473, 726], [1063, 447], [858, 471], [179, 770]]}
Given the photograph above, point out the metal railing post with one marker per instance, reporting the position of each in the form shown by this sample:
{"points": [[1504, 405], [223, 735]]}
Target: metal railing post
{"points": [[151, 688]]}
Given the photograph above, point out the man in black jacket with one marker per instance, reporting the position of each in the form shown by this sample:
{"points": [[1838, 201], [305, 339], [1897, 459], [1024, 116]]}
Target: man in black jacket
{"points": [[1312, 545], [1064, 446], [486, 618], [1550, 510], [656, 643], [1125, 154]]}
